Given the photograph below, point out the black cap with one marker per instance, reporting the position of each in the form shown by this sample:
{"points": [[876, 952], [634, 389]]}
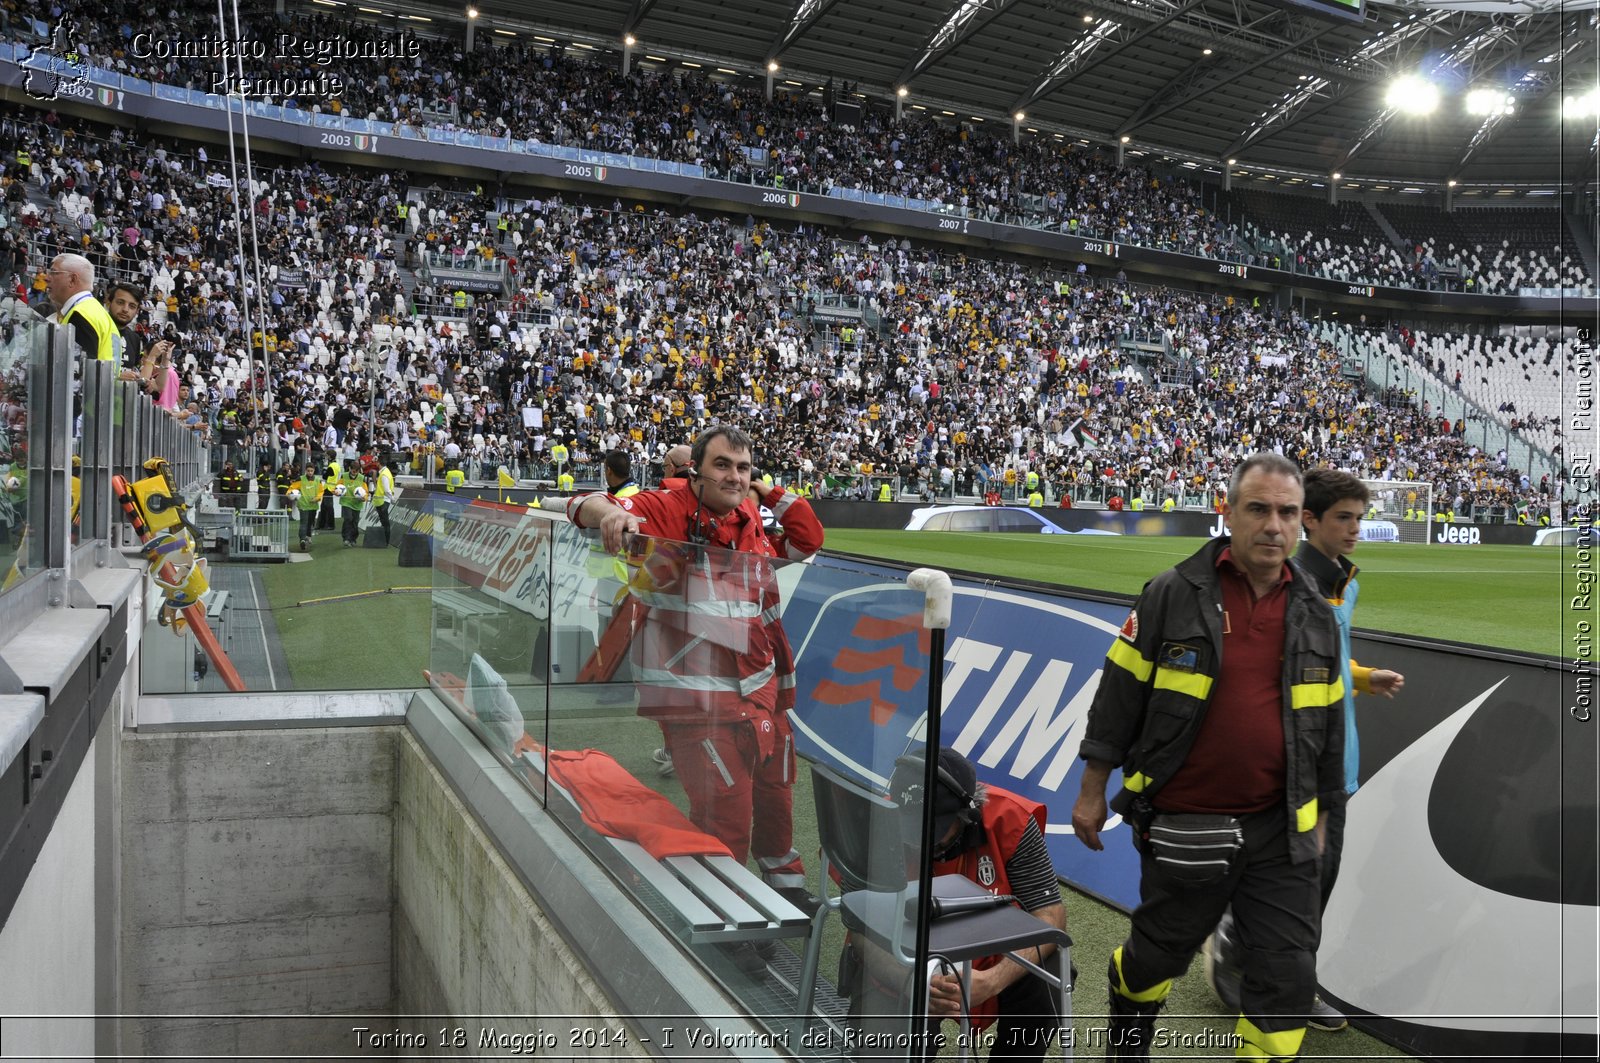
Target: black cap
{"points": [[951, 803]]}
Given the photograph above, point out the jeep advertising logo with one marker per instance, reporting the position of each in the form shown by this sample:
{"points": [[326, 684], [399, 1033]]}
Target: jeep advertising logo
{"points": [[1464, 535]]}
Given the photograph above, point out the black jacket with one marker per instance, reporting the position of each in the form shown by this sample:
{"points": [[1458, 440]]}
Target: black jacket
{"points": [[1157, 683]]}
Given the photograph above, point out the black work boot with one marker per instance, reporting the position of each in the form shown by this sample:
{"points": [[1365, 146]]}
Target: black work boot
{"points": [[1130, 1027]]}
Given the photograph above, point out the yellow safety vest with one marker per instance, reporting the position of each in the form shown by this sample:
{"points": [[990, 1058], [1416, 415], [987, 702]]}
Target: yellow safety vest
{"points": [[454, 479], [565, 482], [109, 347], [383, 488], [1036, 500], [884, 493]]}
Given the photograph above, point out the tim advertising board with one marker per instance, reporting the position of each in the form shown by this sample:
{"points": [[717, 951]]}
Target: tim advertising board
{"points": [[1469, 845], [1020, 672]]}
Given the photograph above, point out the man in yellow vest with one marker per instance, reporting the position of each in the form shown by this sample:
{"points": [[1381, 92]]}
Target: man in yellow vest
{"points": [[885, 492], [454, 479], [1168, 504], [68, 285], [382, 495], [1035, 499], [1137, 505], [619, 475], [332, 479], [1032, 481], [356, 493], [309, 487]]}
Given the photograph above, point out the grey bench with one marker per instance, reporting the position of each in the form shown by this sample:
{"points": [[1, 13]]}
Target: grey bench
{"points": [[716, 898], [463, 612]]}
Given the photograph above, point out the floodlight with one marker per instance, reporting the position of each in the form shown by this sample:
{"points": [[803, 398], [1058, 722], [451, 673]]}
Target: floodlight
{"points": [[1413, 95], [630, 40], [772, 67], [1585, 106], [902, 92], [1019, 116], [1490, 102]]}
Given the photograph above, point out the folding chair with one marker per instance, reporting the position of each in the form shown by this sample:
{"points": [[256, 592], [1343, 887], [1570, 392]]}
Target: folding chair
{"points": [[859, 832]]}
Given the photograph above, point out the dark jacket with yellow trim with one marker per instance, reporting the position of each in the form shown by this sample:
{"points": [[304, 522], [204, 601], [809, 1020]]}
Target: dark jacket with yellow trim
{"points": [[1146, 713]]}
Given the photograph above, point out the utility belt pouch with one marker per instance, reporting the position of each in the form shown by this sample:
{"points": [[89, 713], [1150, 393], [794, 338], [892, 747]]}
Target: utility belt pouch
{"points": [[1194, 847], [1136, 813]]}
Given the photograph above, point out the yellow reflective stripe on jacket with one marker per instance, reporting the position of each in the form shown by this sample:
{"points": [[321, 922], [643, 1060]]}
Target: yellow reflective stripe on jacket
{"points": [[1316, 695], [1190, 683], [1256, 1043], [1124, 655], [1135, 782], [1305, 817]]}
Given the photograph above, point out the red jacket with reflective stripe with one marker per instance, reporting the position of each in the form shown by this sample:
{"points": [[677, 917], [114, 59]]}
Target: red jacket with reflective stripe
{"points": [[1005, 820], [709, 646]]}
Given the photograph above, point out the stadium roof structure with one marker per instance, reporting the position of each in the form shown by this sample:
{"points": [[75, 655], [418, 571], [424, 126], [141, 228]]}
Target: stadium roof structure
{"points": [[1281, 88]]}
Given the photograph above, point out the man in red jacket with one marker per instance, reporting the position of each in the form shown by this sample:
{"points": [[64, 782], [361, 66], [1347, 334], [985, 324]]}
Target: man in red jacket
{"points": [[708, 652]]}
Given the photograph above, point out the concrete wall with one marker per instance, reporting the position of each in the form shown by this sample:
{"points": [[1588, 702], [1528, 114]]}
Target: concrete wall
{"points": [[469, 940], [257, 879], [48, 945]]}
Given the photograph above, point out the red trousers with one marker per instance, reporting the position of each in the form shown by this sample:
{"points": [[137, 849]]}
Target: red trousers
{"points": [[742, 799]]}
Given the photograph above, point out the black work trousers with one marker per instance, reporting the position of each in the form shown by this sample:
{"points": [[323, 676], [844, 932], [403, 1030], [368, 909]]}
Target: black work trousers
{"points": [[1277, 918]]}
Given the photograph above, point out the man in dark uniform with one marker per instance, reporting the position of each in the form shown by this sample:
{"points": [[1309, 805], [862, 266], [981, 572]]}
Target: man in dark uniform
{"points": [[1223, 703], [230, 487]]}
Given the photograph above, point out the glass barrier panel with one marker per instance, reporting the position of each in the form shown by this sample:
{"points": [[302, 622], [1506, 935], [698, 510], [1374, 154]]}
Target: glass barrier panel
{"points": [[308, 588], [24, 349], [488, 651], [644, 695]]}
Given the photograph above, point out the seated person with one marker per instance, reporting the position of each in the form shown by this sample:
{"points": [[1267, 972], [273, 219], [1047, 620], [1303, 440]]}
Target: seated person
{"points": [[996, 839]]}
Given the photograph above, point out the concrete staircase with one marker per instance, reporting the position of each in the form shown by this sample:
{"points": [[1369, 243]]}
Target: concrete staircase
{"points": [[1389, 230], [1583, 244]]}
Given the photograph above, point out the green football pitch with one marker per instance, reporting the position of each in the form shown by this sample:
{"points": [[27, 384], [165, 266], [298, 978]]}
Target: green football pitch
{"points": [[1505, 597]]}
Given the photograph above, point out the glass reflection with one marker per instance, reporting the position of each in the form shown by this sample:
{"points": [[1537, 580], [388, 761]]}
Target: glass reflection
{"points": [[24, 340], [719, 730]]}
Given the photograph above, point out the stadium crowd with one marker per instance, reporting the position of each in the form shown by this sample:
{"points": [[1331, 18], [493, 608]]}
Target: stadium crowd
{"points": [[630, 329], [526, 91]]}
